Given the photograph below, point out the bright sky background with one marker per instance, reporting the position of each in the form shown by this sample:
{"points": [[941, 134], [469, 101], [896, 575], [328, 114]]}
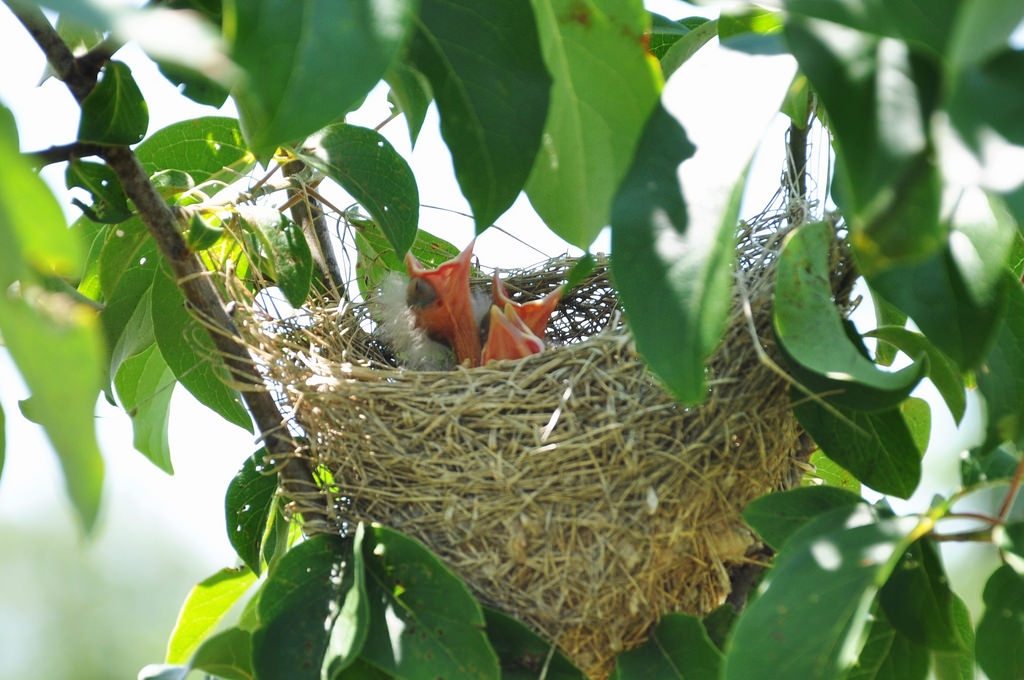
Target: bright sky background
{"points": [[187, 509]]}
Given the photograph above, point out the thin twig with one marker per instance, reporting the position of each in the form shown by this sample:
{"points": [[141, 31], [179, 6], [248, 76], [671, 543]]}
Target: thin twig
{"points": [[1004, 509], [64, 152]]}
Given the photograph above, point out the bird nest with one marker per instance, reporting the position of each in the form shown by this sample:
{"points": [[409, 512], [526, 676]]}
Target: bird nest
{"points": [[568, 488]]}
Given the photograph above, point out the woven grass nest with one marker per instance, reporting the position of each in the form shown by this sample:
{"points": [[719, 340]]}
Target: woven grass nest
{"points": [[568, 489]]}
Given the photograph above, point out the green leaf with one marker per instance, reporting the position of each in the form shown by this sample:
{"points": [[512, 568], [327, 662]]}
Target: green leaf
{"points": [[687, 46], [287, 252], [719, 623], [377, 257], [934, 293], [941, 370], [348, 634], [797, 104], [144, 385], [827, 471], [599, 107], [205, 605], [917, 414], [410, 93], [209, 149], [753, 30], [523, 654], [370, 169], [188, 350], [307, 63], [889, 655], [878, 447], [484, 64], [114, 112], [986, 464], [666, 32], [247, 507], [194, 85], [982, 28], [226, 655], [110, 205], [811, 332], [1001, 378], [678, 648], [999, 643], [918, 602], [54, 341], [202, 235], [957, 665], [815, 599], [424, 623], [877, 100], [986, 105], [886, 314], [777, 516], [298, 608]]}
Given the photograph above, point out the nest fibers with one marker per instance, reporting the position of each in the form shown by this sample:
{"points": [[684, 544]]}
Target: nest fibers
{"points": [[567, 489]]}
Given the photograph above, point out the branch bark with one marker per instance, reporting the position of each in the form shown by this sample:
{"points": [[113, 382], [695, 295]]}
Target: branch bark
{"points": [[192, 277], [306, 213]]}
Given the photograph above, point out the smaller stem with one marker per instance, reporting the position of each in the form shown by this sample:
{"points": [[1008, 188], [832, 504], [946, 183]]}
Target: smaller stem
{"points": [[394, 114], [64, 152], [1011, 493], [988, 519], [976, 536]]}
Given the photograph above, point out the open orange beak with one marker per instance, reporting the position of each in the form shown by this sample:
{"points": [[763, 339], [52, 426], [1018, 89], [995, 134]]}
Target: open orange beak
{"points": [[535, 313], [509, 337], [440, 303]]}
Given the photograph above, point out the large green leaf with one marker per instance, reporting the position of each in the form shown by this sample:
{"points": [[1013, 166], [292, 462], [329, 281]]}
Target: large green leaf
{"points": [[957, 665], [877, 447], [877, 101], [144, 386], [889, 655], [524, 654], [424, 623], [349, 631], [247, 506], [110, 205], [1000, 637], [298, 608], [114, 112], [678, 648], [188, 350], [210, 148], [924, 25], [941, 370], [811, 332], [1001, 378], [305, 64], [981, 29], [605, 86], [226, 655], [777, 516], [918, 602], [484, 64], [287, 253], [205, 605], [54, 341], [368, 167], [813, 603]]}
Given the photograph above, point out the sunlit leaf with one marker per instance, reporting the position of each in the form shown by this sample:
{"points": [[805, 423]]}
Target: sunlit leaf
{"points": [[666, 32], [424, 623], [827, 471], [999, 643], [484, 64], [678, 648], [144, 386], [205, 606], [226, 655], [308, 63], [598, 111], [812, 335], [208, 149], [777, 516], [687, 46], [114, 112], [368, 167], [816, 597], [247, 506], [188, 350], [287, 252]]}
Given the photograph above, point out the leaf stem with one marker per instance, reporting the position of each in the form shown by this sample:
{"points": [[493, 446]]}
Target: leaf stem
{"points": [[1011, 493]]}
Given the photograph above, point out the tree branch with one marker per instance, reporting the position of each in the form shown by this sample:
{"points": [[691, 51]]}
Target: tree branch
{"points": [[310, 217], [64, 152], [192, 278]]}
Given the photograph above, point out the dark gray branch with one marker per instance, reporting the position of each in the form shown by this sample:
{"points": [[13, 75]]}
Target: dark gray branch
{"points": [[64, 152]]}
